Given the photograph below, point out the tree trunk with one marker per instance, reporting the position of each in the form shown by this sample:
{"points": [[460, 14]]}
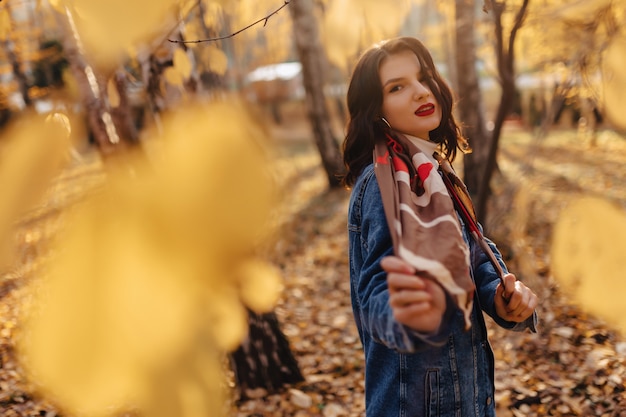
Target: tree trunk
{"points": [[313, 62], [264, 359], [100, 118], [470, 105], [506, 70], [123, 114]]}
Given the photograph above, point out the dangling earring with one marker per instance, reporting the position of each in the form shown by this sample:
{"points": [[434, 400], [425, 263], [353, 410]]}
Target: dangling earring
{"points": [[385, 122]]}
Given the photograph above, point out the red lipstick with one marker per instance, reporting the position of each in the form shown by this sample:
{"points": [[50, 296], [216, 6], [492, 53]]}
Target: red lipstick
{"points": [[425, 110]]}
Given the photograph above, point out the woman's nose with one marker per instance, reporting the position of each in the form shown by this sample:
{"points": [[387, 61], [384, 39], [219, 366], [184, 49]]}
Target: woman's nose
{"points": [[421, 91]]}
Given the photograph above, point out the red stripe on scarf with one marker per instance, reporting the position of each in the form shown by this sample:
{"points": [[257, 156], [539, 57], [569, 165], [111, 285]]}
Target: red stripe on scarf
{"points": [[383, 159], [399, 165], [424, 171]]}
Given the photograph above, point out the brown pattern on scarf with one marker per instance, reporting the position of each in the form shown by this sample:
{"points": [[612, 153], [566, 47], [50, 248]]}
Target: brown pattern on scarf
{"points": [[422, 221]]}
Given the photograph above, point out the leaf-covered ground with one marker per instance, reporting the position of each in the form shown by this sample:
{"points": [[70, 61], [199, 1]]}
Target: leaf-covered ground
{"points": [[574, 366]]}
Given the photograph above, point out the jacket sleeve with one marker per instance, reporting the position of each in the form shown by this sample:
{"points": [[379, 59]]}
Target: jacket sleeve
{"points": [[487, 280], [370, 283]]}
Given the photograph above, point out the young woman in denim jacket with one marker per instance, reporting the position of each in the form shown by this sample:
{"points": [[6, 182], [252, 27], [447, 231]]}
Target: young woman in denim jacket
{"points": [[421, 358]]}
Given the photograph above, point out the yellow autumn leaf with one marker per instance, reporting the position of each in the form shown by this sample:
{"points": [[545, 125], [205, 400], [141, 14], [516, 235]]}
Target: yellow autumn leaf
{"points": [[5, 23], [579, 10], [213, 16], [61, 123], [341, 39], [587, 256], [173, 76], [614, 82], [108, 27], [217, 60], [182, 63], [193, 32], [58, 5], [228, 318], [93, 346], [370, 21], [192, 159], [71, 85], [260, 285], [32, 152], [146, 292], [186, 6], [112, 93]]}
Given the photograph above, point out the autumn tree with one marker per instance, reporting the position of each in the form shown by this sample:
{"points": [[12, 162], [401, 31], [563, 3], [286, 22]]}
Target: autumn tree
{"points": [[572, 47], [470, 108], [106, 134], [313, 59], [504, 47], [568, 42]]}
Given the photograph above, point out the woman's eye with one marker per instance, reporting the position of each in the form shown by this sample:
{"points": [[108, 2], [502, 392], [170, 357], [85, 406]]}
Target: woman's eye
{"points": [[395, 88]]}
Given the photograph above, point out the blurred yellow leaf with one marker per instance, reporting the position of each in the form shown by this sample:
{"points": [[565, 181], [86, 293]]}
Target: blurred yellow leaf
{"points": [[260, 285], [58, 5], [60, 122], [186, 6], [588, 257], [216, 59], [370, 21], [195, 177], [112, 93], [32, 152], [213, 16], [71, 85], [342, 37], [579, 10], [96, 338], [223, 3], [162, 52], [227, 317], [108, 28], [193, 32], [153, 275], [614, 79], [5, 23], [173, 76], [182, 63]]}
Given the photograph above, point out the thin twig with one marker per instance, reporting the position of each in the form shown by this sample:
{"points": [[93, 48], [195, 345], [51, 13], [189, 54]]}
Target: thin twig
{"points": [[180, 20], [263, 19]]}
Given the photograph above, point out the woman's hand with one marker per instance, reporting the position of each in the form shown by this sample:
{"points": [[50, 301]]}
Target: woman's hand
{"points": [[514, 300], [416, 302]]}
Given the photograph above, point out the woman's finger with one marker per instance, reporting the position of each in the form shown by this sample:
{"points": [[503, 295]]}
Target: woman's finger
{"points": [[404, 298], [395, 264], [399, 282]]}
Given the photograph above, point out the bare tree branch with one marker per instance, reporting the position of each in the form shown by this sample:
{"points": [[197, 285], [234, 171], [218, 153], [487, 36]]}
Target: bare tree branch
{"points": [[519, 21], [263, 19]]}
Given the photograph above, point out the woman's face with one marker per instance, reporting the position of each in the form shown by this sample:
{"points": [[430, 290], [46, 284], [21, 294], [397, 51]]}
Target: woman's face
{"points": [[408, 104]]}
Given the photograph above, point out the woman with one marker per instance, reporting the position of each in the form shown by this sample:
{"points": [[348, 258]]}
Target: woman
{"points": [[418, 287]]}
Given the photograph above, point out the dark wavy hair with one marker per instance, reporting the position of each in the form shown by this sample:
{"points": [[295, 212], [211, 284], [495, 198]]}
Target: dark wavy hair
{"points": [[365, 98]]}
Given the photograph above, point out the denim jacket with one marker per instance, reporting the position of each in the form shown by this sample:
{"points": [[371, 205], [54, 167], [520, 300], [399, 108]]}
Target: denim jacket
{"points": [[408, 374]]}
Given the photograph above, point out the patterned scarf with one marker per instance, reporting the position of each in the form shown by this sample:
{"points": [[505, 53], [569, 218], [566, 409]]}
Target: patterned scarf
{"points": [[424, 227]]}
